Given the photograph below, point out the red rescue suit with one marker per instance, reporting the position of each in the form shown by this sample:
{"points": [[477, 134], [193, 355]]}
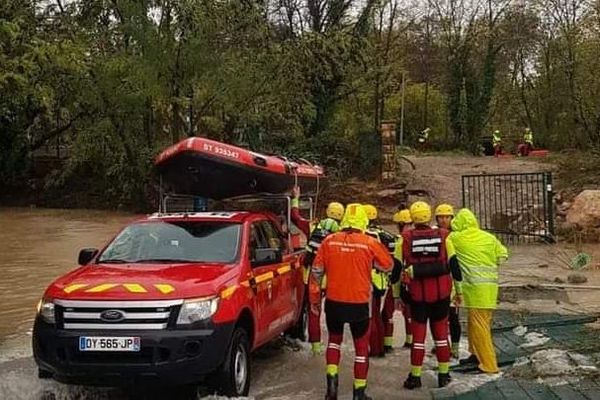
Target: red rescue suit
{"points": [[424, 249]]}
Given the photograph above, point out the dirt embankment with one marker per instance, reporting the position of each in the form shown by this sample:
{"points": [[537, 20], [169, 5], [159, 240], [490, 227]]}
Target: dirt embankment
{"points": [[436, 179]]}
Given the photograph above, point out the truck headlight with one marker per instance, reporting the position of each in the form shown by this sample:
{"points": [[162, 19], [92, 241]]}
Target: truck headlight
{"points": [[197, 310], [45, 309]]}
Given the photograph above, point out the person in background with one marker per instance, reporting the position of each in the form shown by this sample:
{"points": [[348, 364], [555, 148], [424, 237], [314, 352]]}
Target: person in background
{"points": [[423, 138], [443, 216], [381, 283], [397, 292], [526, 145], [497, 143]]}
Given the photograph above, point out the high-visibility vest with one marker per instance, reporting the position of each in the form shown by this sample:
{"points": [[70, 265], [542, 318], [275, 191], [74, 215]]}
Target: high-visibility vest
{"points": [[381, 280], [496, 139], [528, 138], [478, 253], [425, 247], [386, 238], [320, 232]]}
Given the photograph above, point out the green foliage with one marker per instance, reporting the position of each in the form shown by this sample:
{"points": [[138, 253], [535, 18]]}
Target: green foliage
{"points": [[115, 82]]}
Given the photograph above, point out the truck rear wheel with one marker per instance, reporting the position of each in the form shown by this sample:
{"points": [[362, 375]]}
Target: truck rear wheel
{"points": [[234, 375]]}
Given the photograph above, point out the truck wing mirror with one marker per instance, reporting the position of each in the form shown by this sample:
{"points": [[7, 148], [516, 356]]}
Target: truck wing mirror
{"points": [[87, 255]]}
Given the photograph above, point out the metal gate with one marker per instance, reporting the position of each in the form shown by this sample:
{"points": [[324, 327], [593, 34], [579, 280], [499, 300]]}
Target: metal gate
{"points": [[516, 207]]}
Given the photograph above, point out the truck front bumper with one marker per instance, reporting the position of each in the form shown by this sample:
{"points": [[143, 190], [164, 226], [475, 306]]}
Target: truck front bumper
{"points": [[166, 357]]}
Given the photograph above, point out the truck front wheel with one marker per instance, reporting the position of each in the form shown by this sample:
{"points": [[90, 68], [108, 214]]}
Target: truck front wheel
{"points": [[234, 376]]}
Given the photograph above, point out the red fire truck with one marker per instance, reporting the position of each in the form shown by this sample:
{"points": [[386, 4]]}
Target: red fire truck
{"points": [[173, 299]]}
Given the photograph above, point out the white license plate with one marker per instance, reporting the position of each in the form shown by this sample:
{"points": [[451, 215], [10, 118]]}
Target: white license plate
{"points": [[103, 343]]}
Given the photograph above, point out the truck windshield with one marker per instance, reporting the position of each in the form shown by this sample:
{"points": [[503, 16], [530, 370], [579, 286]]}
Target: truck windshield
{"points": [[181, 241]]}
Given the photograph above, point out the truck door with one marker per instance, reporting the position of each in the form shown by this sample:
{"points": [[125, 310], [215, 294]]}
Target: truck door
{"points": [[287, 290], [262, 283]]}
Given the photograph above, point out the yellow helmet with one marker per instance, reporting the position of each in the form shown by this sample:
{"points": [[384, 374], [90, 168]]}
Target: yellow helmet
{"points": [[444, 210], [420, 212], [371, 211], [402, 217], [335, 210], [355, 217]]}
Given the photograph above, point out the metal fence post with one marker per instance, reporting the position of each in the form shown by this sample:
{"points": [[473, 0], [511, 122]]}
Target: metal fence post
{"points": [[549, 196]]}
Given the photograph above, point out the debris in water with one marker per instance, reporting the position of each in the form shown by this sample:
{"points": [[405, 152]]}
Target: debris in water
{"points": [[553, 366], [534, 339], [520, 330]]}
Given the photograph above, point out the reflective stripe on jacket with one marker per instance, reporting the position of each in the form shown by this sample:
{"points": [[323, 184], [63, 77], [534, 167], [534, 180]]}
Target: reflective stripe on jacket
{"points": [[479, 254], [425, 246]]}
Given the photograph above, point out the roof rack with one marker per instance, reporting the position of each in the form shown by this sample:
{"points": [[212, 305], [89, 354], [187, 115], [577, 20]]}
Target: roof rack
{"points": [[172, 203]]}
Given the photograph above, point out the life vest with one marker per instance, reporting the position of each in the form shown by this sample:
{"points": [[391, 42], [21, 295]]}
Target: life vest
{"points": [[426, 247], [325, 227], [381, 280], [386, 238]]}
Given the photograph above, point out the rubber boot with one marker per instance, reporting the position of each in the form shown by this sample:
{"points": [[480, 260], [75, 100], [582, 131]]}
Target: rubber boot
{"points": [[444, 380], [332, 387], [472, 359], [359, 394], [412, 382]]}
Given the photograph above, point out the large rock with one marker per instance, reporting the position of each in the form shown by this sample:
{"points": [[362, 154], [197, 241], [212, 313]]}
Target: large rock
{"points": [[577, 278], [585, 210]]}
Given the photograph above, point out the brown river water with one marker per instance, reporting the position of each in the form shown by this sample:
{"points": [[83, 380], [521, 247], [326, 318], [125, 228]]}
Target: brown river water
{"points": [[39, 245]]}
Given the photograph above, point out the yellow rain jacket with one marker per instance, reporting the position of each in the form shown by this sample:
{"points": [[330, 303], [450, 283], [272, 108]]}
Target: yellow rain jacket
{"points": [[479, 254]]}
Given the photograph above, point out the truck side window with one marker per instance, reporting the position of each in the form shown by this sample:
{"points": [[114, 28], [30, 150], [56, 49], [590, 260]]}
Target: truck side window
{"points": [[273, 236], [257, 239]]}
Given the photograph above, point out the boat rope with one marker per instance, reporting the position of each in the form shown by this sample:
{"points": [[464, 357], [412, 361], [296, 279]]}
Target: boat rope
{"points": [[316, 204], [317, 194], [295, 176]]}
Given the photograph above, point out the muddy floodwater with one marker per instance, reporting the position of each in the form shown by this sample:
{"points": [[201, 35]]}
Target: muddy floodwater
{"points": [[38, 245]]}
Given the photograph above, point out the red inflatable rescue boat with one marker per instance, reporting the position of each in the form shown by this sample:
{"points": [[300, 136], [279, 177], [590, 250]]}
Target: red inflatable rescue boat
{"points": [[207, 168]]}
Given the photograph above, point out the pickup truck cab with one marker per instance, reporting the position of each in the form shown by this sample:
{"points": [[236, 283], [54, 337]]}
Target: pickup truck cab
{"points": [[173, 299]]}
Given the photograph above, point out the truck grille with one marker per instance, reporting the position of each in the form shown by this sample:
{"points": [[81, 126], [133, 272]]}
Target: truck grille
{"points": [[116, 315]]}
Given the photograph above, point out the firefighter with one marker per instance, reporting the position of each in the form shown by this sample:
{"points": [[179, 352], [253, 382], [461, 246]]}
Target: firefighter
{"points": [[381, 283], [326, 226], [347, 257], [527, 142], [497, 142], [443, 216], [302, 223], [479, 254], [330, 224], [429, 267], [423, 138], [402, 219]]}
